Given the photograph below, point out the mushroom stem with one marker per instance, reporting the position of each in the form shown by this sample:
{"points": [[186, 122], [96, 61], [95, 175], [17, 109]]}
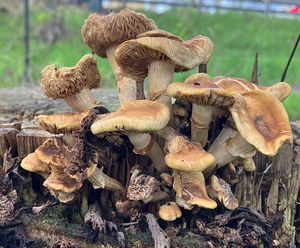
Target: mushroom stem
{"points": [[201, 118], [160, 75], [100, 180], [128, 89], [81, 101], [157, 196], [145, 144], [227, 147]]}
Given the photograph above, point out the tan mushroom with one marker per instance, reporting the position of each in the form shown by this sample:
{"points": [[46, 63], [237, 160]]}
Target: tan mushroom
{"points": [[224, 193], [137, 119], [104, 33], [159, 54], [72, 84], [190, 186], [261, 120], [203, 93], [184, 155], [248, 164], [169, 211]]}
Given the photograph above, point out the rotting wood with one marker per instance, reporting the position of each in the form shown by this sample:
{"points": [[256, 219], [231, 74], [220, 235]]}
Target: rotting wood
{"points": [[161, 239], [8, 140]]}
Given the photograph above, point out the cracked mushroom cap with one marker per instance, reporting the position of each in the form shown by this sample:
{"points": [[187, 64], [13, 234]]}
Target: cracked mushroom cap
{"points": [[280, 90], [101, 32], [67, 81], [186, 156], [169, 211], [224, 193], [138, 116], [192, 189], [61, 123], [32, 163], [142, 187], [261, 120], [200, 89], [134, 56]]}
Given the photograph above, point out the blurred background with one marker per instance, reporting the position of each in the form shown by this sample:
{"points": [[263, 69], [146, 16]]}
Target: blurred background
{"points": [[238, 28]]}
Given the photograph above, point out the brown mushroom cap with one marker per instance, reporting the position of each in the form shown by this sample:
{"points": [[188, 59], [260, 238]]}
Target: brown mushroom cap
{"points": [[33, 164], [280, 90], [138, 115], [61, 123], [191, 188], [187, 156], [102, 32], [142, 187], [200, 89], [134, 56], [224, 192], [59, 181], [261, 120], [66, 81], [169, 211]]}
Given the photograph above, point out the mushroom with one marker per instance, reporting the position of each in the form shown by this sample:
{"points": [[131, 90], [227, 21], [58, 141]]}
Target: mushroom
{"points": [[203, 93], [64, 123], [136, 119], [261, 120], [169, 211], [280, 90], [248, 164], [158, 54], [190, 186], [103, 34], [32, 163], [224, 193], [184, 155], [72, 84]]}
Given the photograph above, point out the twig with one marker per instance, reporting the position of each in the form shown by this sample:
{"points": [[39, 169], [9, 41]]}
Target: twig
{"points": [[254, 77], [290, 59], [161, 239], [202, 68]]}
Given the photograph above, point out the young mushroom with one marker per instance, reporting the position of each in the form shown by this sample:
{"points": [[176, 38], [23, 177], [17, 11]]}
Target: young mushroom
{"points": [[169, 211], [190, 186], [72, 84], [136, 119], [159, 54], [184, 155], [103, 34]]}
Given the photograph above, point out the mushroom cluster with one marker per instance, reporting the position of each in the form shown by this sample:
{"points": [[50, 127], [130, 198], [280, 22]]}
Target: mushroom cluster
{"points": [[185, 167]]}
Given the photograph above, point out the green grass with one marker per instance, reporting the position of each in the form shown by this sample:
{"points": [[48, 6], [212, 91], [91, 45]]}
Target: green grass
{"points": [[237, 36]]}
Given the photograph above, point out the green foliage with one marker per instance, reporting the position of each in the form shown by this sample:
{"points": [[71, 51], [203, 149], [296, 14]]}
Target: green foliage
{"points": [[237, 36]]}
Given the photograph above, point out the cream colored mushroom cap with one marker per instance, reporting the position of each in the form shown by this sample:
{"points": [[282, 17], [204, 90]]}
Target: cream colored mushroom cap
{"points": [[61, 123], [169, 211], [137, 116], [200, 89], [190, 157], [262, 121], [33, 164]]}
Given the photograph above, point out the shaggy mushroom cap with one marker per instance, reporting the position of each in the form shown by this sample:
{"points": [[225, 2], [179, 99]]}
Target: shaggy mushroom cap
{"points": [[224, 193], [61, 123], [101, 32], [261, 120], [191, 188], [67, 81], [280, 90], [142, 187], [134, 56], [186, 156], [137, 116], [200, 89], [32, 163], [169, 211]]}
